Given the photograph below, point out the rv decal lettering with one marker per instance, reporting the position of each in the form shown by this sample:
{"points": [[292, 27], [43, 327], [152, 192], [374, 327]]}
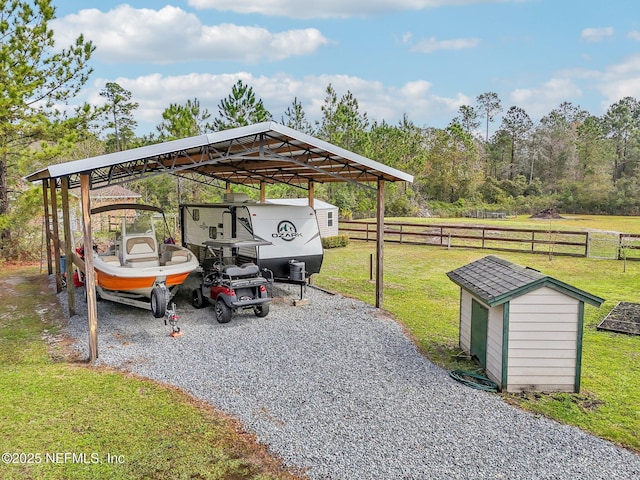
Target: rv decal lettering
{"points": [[286, 231]]}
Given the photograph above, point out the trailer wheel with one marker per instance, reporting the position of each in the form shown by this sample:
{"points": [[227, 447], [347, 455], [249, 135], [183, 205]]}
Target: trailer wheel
{"points": [[197, 299], [261, 310], [223, 312], [158, 302]]}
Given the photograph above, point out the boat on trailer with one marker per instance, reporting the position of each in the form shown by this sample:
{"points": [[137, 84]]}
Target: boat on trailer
{"points": [[135, 268]]}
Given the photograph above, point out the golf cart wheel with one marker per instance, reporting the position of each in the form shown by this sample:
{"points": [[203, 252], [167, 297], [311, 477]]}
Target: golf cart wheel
{"points": [[223, 313], [158, 302], [197, 300], [261, 310]]}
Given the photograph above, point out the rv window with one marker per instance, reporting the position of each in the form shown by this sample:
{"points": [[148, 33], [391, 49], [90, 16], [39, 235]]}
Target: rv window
{"points": [[195, 214], [213, 232], [329, 219]]}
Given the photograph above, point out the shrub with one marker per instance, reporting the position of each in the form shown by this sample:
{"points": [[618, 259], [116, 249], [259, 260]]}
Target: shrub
{"points": [[335, 242]]}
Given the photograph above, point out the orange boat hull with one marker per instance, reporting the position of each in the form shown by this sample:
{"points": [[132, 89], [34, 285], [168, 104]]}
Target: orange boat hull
{"points": [[141, 285]]}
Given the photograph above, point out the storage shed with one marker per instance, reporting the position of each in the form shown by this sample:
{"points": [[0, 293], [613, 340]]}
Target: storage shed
{"points": [[326, 213], [524, 327]]}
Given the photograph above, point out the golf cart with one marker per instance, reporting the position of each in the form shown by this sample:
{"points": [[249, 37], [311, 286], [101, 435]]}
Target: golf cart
{"points": [[230, 285]]}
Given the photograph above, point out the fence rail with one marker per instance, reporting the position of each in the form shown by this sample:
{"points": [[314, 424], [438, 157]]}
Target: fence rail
{"points": [[629, 246], [556, 242]]}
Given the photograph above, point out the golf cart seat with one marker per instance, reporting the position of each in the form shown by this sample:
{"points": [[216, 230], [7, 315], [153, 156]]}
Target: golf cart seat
{"points": [[244, 271]]}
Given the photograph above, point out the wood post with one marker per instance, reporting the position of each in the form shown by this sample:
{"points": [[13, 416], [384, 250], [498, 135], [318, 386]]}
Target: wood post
{"points": [[56, 234], [47, 225], [263, 192], [311, 194], [68, 247], [89, 272], [380, 245]]}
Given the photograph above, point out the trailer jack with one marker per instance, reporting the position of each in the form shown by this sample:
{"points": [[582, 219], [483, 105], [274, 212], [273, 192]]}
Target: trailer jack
{"points": [[172, 319]]}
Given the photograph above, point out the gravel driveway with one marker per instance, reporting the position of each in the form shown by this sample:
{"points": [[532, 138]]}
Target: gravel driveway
{"points": [[337, 388]]}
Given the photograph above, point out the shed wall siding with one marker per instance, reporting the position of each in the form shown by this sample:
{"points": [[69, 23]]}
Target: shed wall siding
{"points": [[542, 341], [465, 320], [321, 215], [323, 222]]}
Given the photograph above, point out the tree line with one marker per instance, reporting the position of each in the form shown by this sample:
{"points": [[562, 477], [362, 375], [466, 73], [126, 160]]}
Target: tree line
{"points": [[489, 156], [570, 160]]}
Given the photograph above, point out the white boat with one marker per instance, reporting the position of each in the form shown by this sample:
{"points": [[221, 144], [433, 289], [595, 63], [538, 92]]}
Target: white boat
{"points": [[135, 268]]}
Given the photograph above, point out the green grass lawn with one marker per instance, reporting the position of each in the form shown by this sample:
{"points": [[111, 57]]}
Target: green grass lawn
{"points": [[420, 295], [61, 419]]}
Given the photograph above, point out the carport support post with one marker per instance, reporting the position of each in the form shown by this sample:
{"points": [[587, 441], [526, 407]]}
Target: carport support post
{"points": [[89, 273], [263, 192], [47, 225], [380, 245], [56, 234], [68, 246], [311, 194]]}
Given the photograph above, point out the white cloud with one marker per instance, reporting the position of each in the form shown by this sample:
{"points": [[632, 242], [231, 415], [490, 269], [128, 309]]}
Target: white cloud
{"points": [[169, 35], [328, 8], [596, 34], [539, 101], [430, 45], [634, 35], [621, 80], [156, 92]]}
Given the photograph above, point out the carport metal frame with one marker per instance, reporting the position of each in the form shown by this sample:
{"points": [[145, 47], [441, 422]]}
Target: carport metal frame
{"points": [[256, 155]]}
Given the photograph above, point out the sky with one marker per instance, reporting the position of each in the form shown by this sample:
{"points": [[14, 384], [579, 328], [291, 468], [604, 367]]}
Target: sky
{"points": [[419, 58]]}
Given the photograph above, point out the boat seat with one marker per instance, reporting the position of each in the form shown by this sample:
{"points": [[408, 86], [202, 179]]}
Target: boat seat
{"points": [[141, 251], [142, 262], [111, 259], [141, 245], [178, 256]]}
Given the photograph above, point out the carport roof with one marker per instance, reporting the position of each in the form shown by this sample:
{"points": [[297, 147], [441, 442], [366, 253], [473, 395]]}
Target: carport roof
{"points": [[264, 152]]}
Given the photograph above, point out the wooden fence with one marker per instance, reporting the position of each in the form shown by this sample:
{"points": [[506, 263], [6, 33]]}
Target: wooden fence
{"points": [[552, 242], [629, 246]]}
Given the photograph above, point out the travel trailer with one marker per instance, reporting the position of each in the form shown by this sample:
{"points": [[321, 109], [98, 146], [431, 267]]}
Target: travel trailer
{"points": [[283, 240]]}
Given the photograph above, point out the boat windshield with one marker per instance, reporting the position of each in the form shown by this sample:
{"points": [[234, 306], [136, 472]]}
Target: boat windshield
{"points": [[138, 224]]}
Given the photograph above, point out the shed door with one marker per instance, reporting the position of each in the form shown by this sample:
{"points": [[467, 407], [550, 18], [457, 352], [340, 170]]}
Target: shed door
{"points": [[479, 325]]}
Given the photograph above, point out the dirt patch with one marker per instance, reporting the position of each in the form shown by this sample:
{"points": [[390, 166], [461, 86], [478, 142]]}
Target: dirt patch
{"points": [[624, 318], [547, 213]]}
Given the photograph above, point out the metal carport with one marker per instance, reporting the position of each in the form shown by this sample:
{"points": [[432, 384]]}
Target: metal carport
{"points": [[255, 155]]}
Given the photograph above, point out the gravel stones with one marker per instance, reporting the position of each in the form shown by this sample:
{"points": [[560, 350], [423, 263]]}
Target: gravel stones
{"points": [[337, 388]]}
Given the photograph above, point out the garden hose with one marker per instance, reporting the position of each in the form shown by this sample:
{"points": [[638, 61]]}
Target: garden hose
{"points": [[474, 380]]}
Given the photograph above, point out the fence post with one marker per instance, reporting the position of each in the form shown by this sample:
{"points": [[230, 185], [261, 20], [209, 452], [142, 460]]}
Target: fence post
{"points": [[587, 242], [483, 237], [620, 247], [533, 241], [371, 267]]}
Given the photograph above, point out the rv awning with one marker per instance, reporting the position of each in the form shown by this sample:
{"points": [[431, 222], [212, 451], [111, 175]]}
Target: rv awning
{"points": [[262, 153]]}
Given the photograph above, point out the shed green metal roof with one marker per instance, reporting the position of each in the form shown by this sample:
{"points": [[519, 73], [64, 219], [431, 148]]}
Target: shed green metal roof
{"points": [[496, 281]]}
